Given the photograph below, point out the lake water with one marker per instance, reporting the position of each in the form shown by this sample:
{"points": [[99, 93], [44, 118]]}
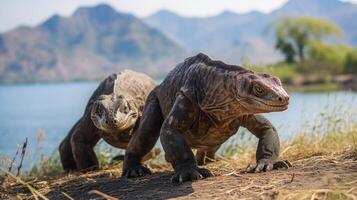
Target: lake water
{"points": [[28, 109]]}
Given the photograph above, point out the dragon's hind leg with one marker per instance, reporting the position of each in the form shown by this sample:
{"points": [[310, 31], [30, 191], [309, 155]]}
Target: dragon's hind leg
{"points": [[206, 155]]}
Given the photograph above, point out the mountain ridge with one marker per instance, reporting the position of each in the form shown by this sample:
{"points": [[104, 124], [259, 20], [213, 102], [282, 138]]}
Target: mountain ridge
{"points": [[91, 43], [240, 37], [98, 40]]}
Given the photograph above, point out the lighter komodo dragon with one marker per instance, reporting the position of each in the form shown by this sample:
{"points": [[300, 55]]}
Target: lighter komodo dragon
{"points": [[111, 113], [200, 104]]}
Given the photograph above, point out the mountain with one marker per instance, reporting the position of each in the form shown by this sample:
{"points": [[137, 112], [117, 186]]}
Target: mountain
{"points": [[92, 43], [242, 37], [96, 41]]}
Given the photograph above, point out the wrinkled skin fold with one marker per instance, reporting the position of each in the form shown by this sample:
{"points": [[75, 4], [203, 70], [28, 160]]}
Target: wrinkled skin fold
{"points": [[200, 104]]}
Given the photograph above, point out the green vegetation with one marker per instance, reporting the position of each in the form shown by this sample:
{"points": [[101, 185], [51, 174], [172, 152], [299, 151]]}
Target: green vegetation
{"points": [[47, 167], [326, 59], [312, 55], [351, 62], [285, 71], [295, 35], [51, 165]]}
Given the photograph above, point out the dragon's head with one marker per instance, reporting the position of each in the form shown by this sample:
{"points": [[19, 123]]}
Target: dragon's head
{"points": [[261, 93], [114, 113]]}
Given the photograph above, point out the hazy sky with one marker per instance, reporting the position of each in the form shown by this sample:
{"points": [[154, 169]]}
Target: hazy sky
{"points": [[31, 12]]}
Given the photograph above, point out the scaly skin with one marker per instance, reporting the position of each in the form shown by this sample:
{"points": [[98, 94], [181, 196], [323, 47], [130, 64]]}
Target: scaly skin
{"points": [[111, 113], [200, 104]]}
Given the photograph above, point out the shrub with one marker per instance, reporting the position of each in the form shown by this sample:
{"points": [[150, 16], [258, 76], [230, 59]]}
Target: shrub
{"points": [[324, 58], [351, 62], [286, 72], [47, 166]]}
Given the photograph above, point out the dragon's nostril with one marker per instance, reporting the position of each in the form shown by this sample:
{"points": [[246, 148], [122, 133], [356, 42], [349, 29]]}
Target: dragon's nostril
{"points": [[283, 99]]}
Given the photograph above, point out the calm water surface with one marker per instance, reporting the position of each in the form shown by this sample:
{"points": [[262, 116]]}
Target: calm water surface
{"points": [[26, 110]]}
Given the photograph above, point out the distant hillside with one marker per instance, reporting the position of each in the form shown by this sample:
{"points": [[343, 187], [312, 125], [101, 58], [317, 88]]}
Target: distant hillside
{"points": [[92, 43], [241, 37], [97, 41]]}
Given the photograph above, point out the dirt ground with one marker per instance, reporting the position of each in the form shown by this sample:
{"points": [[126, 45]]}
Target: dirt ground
{"points": [[319, 177]]}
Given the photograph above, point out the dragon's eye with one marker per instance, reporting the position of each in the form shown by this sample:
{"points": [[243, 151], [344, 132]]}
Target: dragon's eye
{"points": [[258, 91], [126, 110]]}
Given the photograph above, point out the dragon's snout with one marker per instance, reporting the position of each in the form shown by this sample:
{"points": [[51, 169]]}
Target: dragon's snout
{"points": [[110, 120], [284, 99]]}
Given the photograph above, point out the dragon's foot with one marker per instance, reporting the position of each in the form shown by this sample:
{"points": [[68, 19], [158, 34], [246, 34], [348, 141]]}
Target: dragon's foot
{"points": [[136, 171], [190, 174], [267, 165]]}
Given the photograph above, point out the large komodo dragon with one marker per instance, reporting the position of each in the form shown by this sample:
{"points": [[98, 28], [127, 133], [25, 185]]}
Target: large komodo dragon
{"points": [[111, 113], [200, 104]]}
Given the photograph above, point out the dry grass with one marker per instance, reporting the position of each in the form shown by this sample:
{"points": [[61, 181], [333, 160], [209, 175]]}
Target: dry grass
{"points": [[35, 193], [323, 169]]}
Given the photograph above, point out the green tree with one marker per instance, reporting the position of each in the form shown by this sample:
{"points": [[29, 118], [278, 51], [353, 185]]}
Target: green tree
{"points": [[351, 62], [328, 58], [294, 35]]}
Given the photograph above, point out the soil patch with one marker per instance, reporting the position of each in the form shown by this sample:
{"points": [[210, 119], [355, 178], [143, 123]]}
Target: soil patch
{"points": [[319, 177]]}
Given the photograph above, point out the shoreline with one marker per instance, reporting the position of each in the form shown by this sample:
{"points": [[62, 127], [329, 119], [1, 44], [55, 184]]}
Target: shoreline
{"points": [[306, 84]]}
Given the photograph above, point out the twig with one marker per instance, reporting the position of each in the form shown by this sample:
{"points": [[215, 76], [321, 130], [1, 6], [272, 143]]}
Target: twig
{"points": [[102, 195], [14, 158], [12, 162], [349, 196], [22, 157], [230, 191], [292, 178], [33, 191], [66, 195], [322, 191], [350, 190], [286, 149], [352, 182]]}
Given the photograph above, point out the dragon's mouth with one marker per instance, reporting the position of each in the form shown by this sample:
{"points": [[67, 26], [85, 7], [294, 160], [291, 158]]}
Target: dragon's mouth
{"points": [[126, 121], [121, 122], [271, 106]]}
